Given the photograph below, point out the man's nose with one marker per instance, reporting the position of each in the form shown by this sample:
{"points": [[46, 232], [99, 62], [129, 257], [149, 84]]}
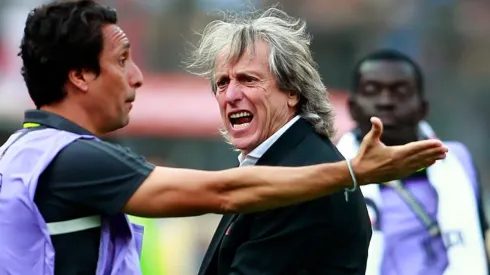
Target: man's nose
{"points": [[385, 99], [135, 76], [233, 93]]}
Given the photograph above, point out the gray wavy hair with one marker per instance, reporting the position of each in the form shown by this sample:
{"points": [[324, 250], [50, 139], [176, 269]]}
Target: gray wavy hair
{"points": [[290, 58]]}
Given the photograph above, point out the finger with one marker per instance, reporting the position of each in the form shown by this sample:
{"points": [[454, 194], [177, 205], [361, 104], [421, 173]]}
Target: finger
{"points": [[427, 164], [418, 165], [421, 146], [436, 154], [376, 128], [425, 158]]}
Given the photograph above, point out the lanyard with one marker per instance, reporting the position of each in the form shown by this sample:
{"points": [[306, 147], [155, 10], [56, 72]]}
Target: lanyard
{"points": [[430, 224]]}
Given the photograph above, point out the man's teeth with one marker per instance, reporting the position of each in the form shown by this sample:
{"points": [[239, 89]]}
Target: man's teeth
{"points": [[240, 126], [241, 114]]}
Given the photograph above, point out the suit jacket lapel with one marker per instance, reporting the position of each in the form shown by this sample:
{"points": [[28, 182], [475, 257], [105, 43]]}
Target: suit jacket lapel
{"points": [[223, 225], [286, 143]]}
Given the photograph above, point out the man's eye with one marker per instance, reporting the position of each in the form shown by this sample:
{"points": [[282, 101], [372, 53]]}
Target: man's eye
{"points": [[221, 83], [370, 88], [122, 61], [248, 79], [402, 90]]}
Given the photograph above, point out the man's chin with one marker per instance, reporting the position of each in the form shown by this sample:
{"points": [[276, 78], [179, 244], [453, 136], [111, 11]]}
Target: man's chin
{"points": [[123, 122], [393, 137], [243, 144], [390, 128]]}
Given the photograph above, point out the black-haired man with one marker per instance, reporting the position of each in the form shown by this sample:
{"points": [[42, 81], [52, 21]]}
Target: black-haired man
{"points": [[431, 222]]}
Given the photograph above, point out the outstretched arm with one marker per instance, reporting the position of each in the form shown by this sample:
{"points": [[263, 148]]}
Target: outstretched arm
{"points": [[184, 192]]}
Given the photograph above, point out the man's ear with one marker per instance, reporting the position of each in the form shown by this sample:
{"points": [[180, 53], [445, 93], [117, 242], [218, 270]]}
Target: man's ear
{"points": [[353, 107], [293, 99], [80, 78], [424, 109]]}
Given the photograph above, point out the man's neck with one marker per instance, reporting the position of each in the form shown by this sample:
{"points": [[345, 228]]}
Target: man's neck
{"points": [[265, 145], [73, 113]]}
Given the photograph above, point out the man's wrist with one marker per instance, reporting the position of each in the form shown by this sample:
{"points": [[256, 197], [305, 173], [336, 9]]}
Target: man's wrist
{"points": [[354, 186], [358, 170], [353, 177], [346, 178]]}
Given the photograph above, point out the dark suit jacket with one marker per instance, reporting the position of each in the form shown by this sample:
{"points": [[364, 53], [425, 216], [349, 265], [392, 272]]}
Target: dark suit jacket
{"points": [[325, 236]]}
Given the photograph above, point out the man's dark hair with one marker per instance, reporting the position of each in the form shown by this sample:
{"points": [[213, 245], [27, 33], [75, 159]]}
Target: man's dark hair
{"points": [[388, 55], [59, 37]]}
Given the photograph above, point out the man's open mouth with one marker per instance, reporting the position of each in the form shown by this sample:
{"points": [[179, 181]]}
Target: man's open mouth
{"points": [[241, 119]]}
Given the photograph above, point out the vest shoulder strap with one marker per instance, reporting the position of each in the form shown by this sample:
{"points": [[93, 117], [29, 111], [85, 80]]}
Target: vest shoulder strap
{"points": [[75, 225]]}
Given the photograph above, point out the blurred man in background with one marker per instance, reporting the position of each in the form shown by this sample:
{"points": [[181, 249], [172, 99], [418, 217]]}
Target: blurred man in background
{"points": [[276, 111], [431, 222]]}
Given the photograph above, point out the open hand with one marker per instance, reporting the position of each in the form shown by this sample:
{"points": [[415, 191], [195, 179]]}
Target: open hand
{"points": [[377, 163]]}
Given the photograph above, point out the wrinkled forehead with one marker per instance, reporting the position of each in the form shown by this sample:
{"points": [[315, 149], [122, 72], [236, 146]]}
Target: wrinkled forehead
{"points": [[386, 71], [114, 37], [254, 57]]}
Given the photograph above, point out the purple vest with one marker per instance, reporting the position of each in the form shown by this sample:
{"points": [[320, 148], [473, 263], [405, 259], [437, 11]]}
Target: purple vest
{"points": [[25, 242], [408, 246]]}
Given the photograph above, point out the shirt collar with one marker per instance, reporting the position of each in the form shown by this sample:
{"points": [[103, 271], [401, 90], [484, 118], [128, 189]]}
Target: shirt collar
{"points": [[51, 120], [257, 153]]}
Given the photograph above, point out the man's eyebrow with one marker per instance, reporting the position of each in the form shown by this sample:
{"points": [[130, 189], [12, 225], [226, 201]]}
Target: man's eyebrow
{"points": [[244, 73], [390, 83], [126, 45], [220, 77], [248, 73]]}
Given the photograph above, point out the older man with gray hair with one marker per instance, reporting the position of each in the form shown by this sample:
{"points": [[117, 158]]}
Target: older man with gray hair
{"points": [[276, 112]]}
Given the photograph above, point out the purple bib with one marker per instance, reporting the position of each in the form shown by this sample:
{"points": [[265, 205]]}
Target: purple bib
{"points": [[25, 242]]}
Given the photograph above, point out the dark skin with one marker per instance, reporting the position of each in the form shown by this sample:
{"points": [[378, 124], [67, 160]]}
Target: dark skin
{"points": [[388, 90]]}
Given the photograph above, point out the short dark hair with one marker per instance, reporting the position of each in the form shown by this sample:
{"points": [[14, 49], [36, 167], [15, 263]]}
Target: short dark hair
{"points": [[388, 55], [59, 37]]}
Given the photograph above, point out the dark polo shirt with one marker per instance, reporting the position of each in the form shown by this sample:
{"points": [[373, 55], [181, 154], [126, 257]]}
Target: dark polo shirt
{"points": [[88, 177]]}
